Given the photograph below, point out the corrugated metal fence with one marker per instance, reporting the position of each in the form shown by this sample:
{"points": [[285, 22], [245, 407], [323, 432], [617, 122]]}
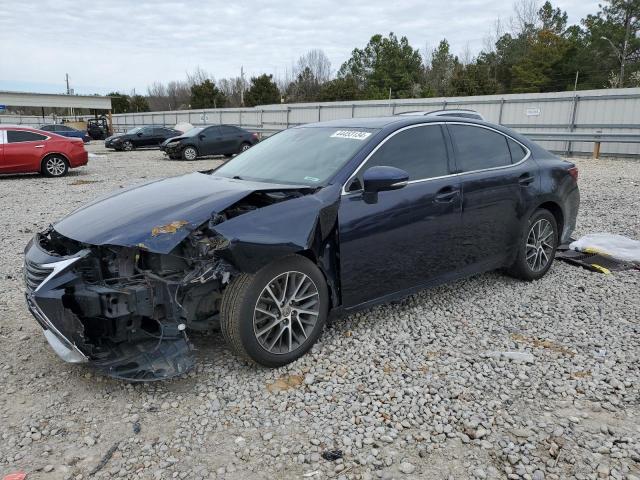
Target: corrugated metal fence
{"points": [[590, 111]]}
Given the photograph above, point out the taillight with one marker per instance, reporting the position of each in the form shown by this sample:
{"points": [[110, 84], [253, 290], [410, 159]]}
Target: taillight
{"points": [[573, 171], [255, 135]]}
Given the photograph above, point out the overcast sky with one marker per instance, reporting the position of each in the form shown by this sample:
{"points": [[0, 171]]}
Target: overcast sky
{"points": [[121, 44]]}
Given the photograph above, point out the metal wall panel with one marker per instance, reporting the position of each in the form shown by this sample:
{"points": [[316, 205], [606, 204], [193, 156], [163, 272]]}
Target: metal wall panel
{"points": [[595, 110]]}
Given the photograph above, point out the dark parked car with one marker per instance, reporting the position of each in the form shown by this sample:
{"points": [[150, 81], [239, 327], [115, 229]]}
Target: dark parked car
{"points": [[318, 220], [66, 131], [214, 140], [140, 137]]}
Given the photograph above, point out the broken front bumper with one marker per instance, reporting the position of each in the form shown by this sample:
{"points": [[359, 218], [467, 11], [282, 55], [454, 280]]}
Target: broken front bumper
{"points": [[65, 306]]}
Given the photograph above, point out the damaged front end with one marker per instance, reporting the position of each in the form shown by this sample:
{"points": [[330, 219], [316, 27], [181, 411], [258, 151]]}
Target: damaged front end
{"points": [[125, 309], [118, 283]]}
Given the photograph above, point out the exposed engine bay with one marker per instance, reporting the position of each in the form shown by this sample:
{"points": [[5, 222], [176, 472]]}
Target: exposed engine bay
{"points": [[127, 309]]}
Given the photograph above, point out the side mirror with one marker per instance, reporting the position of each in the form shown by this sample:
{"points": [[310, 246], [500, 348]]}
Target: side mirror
{"points": [[382, 178], [202, 136], [139, 134]]}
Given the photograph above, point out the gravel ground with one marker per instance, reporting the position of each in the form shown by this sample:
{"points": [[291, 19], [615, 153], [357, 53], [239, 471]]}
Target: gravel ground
{"points": [[410, 390]]}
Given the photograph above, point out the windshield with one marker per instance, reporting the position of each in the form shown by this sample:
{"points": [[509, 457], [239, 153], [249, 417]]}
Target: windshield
{"points": [[193, 131], [299, 156], [133, 130]]}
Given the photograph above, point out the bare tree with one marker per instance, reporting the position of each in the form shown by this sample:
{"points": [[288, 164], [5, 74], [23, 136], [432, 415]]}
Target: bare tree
{"points": [[525, 15], [317, 62], [178, 94], [467, 57], [232, 88], [198, 76], [157, 97]]}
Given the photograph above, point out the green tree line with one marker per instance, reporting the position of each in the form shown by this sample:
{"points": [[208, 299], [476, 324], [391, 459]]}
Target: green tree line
{"points": [[539, 53]]}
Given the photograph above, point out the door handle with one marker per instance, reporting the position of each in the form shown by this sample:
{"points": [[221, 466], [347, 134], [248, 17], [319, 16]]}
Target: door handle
{"points": [[526, 179], [446, 195], [39, 146]]}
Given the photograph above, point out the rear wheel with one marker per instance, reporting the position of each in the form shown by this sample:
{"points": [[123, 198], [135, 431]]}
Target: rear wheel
{"points": [[275, 316], [537, 247], [189, 153], [55, 166], [244, 147]]}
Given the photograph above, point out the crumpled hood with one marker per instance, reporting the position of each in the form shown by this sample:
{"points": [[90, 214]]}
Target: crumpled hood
{"points": [[172, 139], [157, 215]]}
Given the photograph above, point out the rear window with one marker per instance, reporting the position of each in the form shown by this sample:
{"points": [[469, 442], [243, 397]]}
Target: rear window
{"points": [[17, 136], [479, 148], [517, 151]]}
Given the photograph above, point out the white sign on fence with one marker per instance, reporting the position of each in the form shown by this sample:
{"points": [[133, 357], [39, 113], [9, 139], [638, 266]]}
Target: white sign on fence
{"points": [[533, 112]]}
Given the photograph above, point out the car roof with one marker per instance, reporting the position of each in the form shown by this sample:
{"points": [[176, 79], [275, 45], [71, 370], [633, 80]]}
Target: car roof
{"points": [[382, 122], [4, 126]]}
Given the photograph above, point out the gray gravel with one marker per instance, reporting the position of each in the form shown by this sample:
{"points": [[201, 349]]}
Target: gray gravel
{"points": [[424, 388]]}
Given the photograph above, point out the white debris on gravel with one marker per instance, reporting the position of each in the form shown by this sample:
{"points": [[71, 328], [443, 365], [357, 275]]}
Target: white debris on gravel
{"points": [[404, 390]]}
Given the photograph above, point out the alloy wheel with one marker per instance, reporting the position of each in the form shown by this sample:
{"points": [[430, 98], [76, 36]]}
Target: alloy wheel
{"points": [[190, 153], [286, 312], [127, 146], [245, 147], [55, 166], [540, 244]]}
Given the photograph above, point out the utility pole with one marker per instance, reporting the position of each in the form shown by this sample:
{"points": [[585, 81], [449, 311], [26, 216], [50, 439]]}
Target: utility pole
{"points": [[575, 84], [67, 78], [242, 86]]}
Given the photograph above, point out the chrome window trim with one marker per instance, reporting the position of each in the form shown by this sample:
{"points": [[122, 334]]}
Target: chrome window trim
{"points": [[355, 173], [6, 136]]}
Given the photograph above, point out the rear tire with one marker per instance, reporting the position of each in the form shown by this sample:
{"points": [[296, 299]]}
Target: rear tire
{"points": [[244, 147], [537, 247], [189, 153], [274, 334], [55, 166]]}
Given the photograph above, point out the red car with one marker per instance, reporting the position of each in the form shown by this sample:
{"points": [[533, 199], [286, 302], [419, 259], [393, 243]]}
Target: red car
{"points": [[25, 150]]}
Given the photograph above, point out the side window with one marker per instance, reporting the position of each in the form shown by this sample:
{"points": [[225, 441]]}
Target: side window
{"points": [[160, 131], [63, 128], [211, 131], [17, 136], [228, 130], [517, 152], [420, 151], [147, 131], [479, 148]]}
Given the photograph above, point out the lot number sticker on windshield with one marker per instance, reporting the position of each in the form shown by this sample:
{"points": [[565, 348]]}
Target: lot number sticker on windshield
{"points": [[352, 134]]}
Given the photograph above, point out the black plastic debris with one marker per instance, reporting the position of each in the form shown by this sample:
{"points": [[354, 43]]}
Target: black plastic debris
{"points": [[332, 455], [136, 428], [593, 261]]}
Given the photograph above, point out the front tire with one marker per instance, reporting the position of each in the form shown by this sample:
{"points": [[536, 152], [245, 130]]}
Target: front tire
{"points": [[274, 316], [537, 247], [55, 166], [127, 146], [189, 153]]}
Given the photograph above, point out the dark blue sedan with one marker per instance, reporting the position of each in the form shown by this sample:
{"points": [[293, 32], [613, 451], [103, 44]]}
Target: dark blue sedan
{"points": [[319, 220], [66, 131]]}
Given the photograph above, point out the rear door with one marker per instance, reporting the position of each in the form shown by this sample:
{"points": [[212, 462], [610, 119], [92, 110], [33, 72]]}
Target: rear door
{"points": [[231, 139], [210, 141], [497, 184], [23, 150]]}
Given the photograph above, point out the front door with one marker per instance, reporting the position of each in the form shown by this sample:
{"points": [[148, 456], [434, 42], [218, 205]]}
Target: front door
{"points": [[408, 237], [23, 151]]}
